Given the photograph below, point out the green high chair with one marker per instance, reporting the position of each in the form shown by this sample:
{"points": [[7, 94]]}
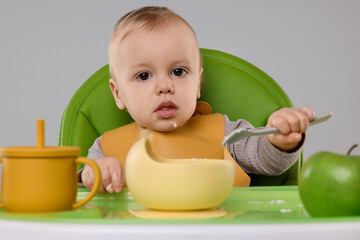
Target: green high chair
{"points": [[231, 86]]}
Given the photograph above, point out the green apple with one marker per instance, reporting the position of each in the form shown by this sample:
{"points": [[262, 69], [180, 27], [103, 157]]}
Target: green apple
{"points": [[329, 184]]}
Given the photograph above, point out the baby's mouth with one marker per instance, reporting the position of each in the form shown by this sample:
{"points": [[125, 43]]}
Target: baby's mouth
{"points": [[166, 110]]}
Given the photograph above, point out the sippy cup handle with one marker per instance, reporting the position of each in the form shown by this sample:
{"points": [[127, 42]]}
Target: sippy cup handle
{"points": [[1, 204], [97, 183]]}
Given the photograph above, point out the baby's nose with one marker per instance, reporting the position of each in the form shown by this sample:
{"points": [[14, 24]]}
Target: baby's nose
{"points": [[165, 87]]}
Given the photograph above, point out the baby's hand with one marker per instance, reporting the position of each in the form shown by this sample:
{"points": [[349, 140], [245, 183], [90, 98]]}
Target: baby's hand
{"points": [[291, 122], [112, 174]]}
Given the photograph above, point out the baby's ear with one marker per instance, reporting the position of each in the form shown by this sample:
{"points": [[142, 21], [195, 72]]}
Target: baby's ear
{"points": [[116, 94], [200, 81]]}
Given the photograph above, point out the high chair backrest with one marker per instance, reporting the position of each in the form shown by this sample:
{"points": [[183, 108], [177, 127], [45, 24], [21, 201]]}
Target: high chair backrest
{"points": [[231, 86]]}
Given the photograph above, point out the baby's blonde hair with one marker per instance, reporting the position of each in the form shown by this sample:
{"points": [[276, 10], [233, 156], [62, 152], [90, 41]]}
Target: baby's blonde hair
{"points": [[150, 18]]}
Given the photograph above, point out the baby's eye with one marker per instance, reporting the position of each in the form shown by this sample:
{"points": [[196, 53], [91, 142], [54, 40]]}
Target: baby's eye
{"points": [[178, 72], [144, 76]]}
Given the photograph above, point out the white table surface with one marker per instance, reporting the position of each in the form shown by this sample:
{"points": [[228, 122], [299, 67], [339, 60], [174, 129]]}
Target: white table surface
{"points": [[36, 230]]}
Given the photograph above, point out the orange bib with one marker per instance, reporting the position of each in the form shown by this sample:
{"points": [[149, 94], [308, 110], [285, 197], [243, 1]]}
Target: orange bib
{"points": [[200, 137]]}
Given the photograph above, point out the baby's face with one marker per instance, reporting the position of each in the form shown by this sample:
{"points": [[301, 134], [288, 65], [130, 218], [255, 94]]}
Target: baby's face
{"points": [[158, 76]]}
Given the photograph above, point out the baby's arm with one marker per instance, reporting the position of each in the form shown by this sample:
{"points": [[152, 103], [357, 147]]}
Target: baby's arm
{"points": [[257, 155], [112, 171]]}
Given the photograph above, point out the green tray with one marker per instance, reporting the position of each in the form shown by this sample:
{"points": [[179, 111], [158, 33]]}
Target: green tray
{"points": [[252, 205]]}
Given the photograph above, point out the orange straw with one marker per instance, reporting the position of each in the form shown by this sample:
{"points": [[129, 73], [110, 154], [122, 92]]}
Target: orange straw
{"points": [[40, 138]]}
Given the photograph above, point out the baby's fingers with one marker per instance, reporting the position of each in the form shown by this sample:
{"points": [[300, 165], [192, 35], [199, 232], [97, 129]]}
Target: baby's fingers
{"points": [[302, 118], [117, 180], [87, 177], [309, 112], [286, 142], [106, 181], [291, 138], [299, 121]]}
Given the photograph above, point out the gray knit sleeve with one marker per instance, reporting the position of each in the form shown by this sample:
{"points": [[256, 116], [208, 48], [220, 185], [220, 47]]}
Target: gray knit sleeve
{"points": [[95, 151], [257, 155]]}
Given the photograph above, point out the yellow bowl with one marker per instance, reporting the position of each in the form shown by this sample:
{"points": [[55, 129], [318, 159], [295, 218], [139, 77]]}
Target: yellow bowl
{"points": [[176, 184]]}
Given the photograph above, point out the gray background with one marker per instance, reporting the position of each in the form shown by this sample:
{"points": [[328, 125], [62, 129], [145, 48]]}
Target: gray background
{"points": [[311, 48]]}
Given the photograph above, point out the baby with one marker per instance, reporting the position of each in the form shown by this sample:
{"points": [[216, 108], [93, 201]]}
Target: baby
{"points": [[156, 71]]}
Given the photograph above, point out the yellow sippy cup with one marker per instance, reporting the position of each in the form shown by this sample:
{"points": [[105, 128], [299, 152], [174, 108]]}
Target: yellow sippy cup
{"points": [[42, 179]]}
